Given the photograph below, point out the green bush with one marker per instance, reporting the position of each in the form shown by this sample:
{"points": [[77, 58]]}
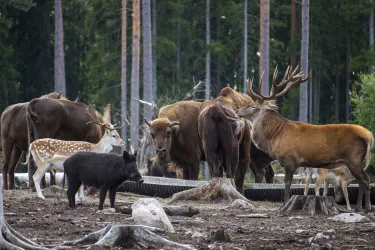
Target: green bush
{"points": [[362, 98]]}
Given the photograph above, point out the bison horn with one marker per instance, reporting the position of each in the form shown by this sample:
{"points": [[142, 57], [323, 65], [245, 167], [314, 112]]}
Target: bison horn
{"points": [[78, 97], [147, 122], [173, 123], [59, 95]]}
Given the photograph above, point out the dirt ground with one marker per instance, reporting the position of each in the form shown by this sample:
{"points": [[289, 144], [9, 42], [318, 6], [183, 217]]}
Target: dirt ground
{"points": [[48, 222]]}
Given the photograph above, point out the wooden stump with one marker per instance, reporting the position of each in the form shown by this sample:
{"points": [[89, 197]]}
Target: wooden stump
{"points": [[217, 188], [311, 205], [126, 236]]}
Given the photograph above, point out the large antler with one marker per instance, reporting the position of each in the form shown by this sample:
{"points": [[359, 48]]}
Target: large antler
{"points": [[280, 89], [95, 119]]}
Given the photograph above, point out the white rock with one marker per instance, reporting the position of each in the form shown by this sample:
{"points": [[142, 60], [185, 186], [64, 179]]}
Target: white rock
{"points": [[198, 235], [199, 220], [295, 218], [241, 204], [149, 212], [329, 234], [349, 218]]}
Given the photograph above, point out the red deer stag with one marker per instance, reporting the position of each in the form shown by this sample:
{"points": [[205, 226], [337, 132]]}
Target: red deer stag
{"points": [[63, 120], [51, 153], [14, 137], [297, 144]]}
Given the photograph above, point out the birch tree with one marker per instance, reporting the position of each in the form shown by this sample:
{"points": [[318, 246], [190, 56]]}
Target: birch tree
{"points": [[245, 49], [264, 44], [304, 60], [371, 31], [134, 104], [123, 71], [147, 58], [59, 49], [154, 38], [208, 56]]}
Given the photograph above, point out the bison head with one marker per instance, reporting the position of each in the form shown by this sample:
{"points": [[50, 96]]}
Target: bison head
{"points": [[162, 131]]}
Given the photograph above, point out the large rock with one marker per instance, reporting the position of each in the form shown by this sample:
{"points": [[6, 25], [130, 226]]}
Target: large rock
{"points": [[349, 218], [149, 212]]}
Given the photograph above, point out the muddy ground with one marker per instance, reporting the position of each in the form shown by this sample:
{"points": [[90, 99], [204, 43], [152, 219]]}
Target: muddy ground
{"points": [[49, 221]]}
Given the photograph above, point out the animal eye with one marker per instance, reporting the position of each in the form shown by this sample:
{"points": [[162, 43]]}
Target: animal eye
{"points": [[113, 136]]}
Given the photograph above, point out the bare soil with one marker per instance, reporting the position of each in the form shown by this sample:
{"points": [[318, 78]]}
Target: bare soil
{"points": [[50, 221]]}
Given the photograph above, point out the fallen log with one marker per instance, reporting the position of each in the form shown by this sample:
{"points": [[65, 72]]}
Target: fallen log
{"points": [[169, 210]]}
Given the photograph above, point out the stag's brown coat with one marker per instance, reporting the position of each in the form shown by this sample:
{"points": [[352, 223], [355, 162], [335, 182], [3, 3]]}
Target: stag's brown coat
{"points": [[14, 137], [175, 137], [296, 144], [59, 119]]}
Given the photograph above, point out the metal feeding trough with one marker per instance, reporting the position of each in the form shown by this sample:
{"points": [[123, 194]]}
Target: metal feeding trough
{"points": [[166, 187]]}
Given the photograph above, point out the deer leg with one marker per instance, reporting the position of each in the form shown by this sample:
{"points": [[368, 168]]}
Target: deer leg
{"points": [[344, 186], [16, 154], [37, 177], [319, 181], [8, 147], [289, 171], [308, 175]]}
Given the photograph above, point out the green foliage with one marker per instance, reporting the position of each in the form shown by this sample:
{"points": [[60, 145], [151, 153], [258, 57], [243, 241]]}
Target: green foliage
{"points": [[362, 97]]}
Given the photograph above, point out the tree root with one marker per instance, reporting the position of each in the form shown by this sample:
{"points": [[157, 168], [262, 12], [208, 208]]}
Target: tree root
{"points": [[9, 238], [217, 188], [126, 236], [311, 205]]}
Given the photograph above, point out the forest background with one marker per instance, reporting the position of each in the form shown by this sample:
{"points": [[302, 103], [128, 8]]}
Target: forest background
{"points": [[122, 51]]}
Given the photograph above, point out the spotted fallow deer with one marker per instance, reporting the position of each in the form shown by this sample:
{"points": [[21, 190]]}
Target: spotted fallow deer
{"points": [[51, 153]]}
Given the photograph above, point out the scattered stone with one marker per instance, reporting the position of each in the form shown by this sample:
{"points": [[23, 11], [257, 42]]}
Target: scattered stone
{"points": [[253, 215], [149, 212], [199, 220], [295, 217], [188, 232], [198, 235], [220, 235], [301, 231], [329, 234], [349, 218], [109, 211], [241, 204]]}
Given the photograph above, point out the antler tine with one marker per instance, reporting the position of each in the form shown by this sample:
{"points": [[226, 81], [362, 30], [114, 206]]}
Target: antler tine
{"points": [[94, 118], [297, 82], [274, 80], [250, 91]]}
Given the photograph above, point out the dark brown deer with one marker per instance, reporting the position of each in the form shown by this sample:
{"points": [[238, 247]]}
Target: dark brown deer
{"points": [[297, 144]]}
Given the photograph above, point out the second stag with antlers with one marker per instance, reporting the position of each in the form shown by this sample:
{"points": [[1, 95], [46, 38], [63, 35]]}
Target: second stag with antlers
{"points": [[51, 153], [297, 144]]}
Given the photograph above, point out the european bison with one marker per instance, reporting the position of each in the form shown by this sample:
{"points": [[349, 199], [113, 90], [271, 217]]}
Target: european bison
{"points": [[14, 137], [60, 119], [226, 139], [175, 137], [103, 170]]}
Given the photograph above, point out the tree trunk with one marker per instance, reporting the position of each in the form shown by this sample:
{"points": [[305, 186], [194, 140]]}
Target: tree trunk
{"points": [[147, 58], [337, 90], [264, 44], [218, 64], [123, 71], [304, 60], [59, 49], [318, 84], [347, 80], [293, 34], [208, 56], [134, 108], [178, 50], [371, 27], [245, 49], [154, 38]]}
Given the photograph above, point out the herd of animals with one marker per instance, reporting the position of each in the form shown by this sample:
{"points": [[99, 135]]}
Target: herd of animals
{"points": [[232, 133]]}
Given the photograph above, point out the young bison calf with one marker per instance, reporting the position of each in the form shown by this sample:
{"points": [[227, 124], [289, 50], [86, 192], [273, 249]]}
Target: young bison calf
{"points": [[103, 170]]}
